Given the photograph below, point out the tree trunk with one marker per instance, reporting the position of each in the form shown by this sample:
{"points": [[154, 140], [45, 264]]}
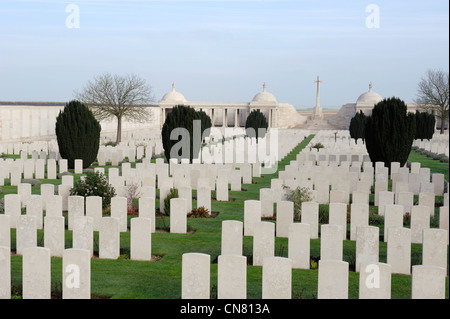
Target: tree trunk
{"points": [[442, 125], [119, 130]]}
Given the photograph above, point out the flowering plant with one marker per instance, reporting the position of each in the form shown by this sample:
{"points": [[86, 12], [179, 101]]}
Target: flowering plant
{"points": [[94, 184]]}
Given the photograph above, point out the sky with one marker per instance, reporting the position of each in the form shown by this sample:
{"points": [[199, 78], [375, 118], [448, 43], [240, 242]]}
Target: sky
{"points": [[223, 51]]}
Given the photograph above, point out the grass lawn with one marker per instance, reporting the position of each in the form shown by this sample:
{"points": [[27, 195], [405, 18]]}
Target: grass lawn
{"points": [[434, 165], [161, 279]]}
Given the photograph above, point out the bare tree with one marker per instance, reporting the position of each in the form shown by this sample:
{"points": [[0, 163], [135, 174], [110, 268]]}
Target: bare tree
{"points": [[121, 97], [432, 95]]}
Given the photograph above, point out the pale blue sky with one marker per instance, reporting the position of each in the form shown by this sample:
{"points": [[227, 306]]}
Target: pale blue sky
{"points": [[223, 50]]}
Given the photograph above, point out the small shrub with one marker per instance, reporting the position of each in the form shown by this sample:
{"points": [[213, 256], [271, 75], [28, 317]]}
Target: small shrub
{"points": [[444, 159], [132, 192], [94, 184], [406, 219], [318, 146], [172, 194], [375, 219], [200, 212], [323, 214], [110, 143], [298, 196]]}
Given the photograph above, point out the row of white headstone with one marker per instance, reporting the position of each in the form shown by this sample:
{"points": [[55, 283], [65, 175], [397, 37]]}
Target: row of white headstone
{"points": [[438, 144], [428, 279]]}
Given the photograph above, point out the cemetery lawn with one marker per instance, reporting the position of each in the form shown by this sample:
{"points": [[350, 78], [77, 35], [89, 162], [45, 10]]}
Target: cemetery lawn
{"points": [[161, 279], [434, 165]]}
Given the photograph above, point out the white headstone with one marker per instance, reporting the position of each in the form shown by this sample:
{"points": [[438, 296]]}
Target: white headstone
{"points": [[5, 231], [333, 279], [204, 198], [26, 233], [34, 208], [232, 237], [443, 219], [75, 207], [263, 242], [76, 274], [338, 216], [195, 276], [178, 216], [310, 215], [232, 277], [399, 250], [420, 219], [359, 216], [331, 242], [435, 249], [78, 166], [36, 273], [141, 239], [367, 245], [299, 245], [285, 217], [109, 238], [119, 209], [5, 270], [277, 278], [147, 210], [428, 282], [393, 218], [54, 235], [94, 210], [252, 215], [83, 233], [375, 281]]}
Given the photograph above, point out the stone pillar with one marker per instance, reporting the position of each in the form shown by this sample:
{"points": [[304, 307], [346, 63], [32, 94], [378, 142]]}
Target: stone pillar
{"points": [[269, 120], [224, 115]]}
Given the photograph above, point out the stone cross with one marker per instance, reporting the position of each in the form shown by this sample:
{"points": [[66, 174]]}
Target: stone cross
{"points": [[317, 113]]}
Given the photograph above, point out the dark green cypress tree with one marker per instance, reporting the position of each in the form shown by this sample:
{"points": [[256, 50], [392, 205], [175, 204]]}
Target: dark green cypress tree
{"points": [[357, 125], [182, 116], [205, 121], [390, 132], [78, 134], [425, 125], [256, 120]]}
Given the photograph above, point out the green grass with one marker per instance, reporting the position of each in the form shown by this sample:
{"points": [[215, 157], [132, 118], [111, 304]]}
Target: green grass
{"points": [[128, 279], [434, 165]]}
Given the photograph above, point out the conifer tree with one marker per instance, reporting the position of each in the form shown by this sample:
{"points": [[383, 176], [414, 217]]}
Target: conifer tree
{"points": [[390, 132], [256, 120], [78, 134]]}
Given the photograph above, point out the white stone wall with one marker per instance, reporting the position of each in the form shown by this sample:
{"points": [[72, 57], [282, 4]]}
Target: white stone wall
{"points": [[37, 122]]}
